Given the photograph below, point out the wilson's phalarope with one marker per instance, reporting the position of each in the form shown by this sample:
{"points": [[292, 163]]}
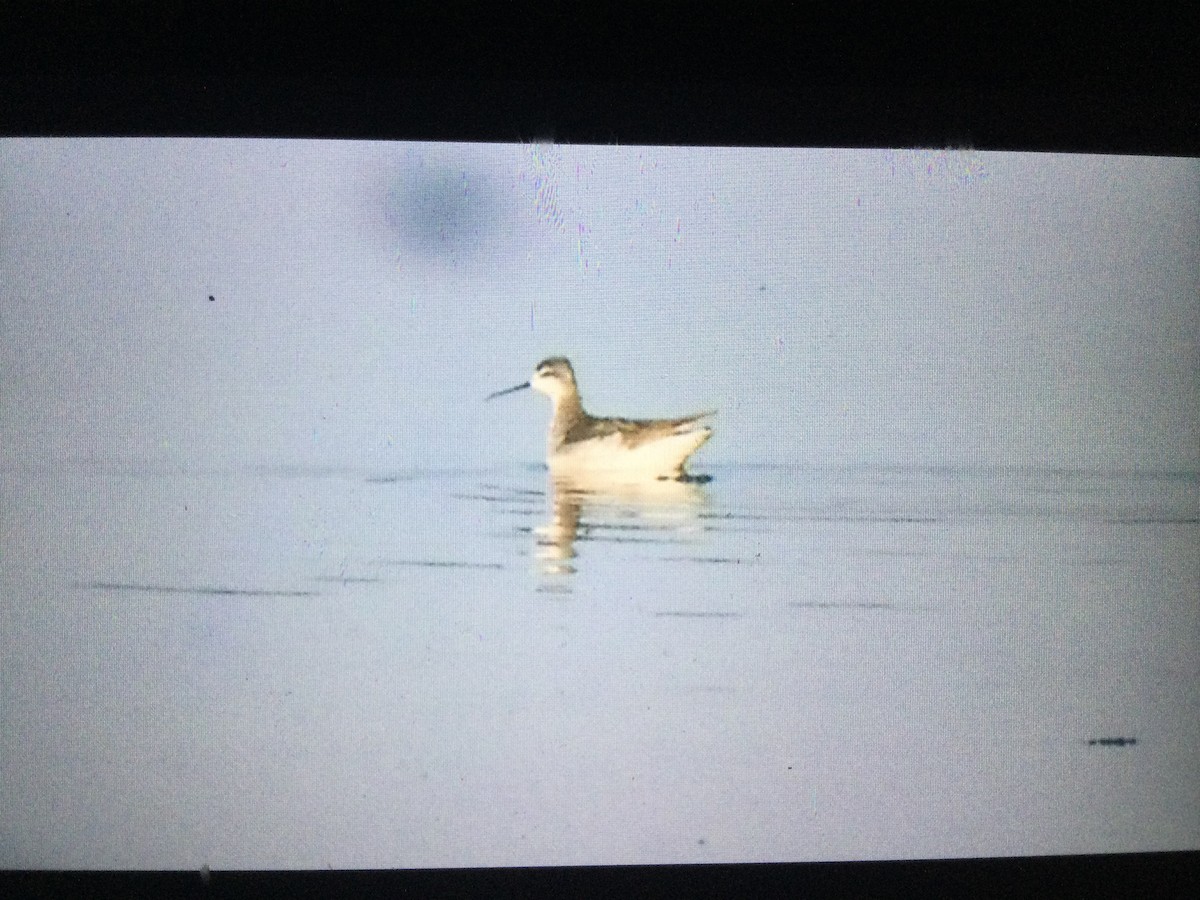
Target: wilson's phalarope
{"points": [[581, 445]]}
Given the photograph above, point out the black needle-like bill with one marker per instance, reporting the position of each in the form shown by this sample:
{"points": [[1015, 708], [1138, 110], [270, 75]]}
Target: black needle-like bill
{"points": [[519, 387]]}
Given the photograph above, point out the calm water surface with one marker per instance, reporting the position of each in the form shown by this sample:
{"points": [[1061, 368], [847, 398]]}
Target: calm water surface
{"points": [[274, 667], [423, 654]]}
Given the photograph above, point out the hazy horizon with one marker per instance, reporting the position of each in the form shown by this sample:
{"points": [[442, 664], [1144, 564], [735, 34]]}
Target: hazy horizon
{"points": [[279, 589], [878, 307]]}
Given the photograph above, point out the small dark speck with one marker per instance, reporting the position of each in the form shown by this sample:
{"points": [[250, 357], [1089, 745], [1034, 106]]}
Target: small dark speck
{"points": [[211, 298], [702, 842], [762, 287]]}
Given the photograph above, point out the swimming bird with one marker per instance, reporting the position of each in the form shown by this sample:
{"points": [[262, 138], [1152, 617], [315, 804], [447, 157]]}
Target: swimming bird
{"points": [[582, 445]]}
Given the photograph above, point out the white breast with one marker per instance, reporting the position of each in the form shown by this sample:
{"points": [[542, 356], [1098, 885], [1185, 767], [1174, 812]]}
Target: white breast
{"points": [[612, 456]]}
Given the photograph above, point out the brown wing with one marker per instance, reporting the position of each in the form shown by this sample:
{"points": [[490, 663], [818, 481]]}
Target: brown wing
{"points": [[634, 432]]}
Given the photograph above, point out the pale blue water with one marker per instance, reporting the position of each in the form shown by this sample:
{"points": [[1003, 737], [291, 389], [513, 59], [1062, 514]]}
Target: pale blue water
{"points": [[279, 589], [288, 667]]}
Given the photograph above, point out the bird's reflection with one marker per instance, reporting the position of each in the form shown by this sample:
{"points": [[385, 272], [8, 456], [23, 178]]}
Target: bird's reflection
{"points": [[639, 512]]}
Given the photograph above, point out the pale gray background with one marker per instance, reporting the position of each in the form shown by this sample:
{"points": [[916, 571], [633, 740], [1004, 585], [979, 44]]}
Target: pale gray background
{"points": [[874, 306], [267, 595]]}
